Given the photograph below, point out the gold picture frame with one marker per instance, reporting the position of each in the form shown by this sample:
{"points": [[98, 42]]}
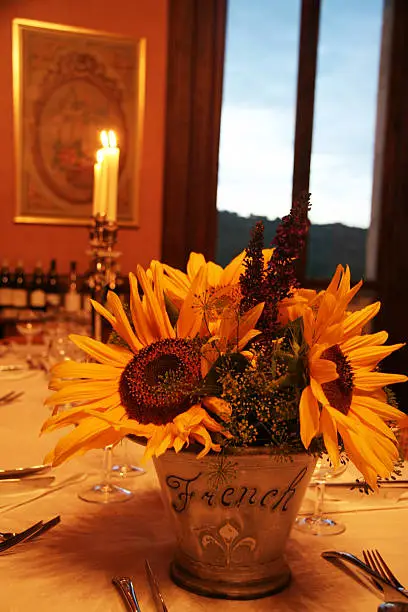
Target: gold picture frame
{"points": [[68, 84]]}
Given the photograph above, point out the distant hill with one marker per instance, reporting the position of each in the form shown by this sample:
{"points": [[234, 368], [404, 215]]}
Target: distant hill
{"points": [[328, 246]]}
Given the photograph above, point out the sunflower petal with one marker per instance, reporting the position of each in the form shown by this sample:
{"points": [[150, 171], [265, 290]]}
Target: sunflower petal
{"points": [[369, 381], [365, 340], [89, 434], [370, 419], [104, 312], [323, 370], [159, 293], [352, 450], [369, 356], [141, 322], [83, 390], [122, 325], [218, 406], [381, 408], [214, 272], [153, 308], [232, 272], [357, 320], [97, 371], [191, 313], [104, 353], [329, 429], [194, 263], [309, 415]]}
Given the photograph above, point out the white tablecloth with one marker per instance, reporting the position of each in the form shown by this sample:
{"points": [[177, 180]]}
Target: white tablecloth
{"points": [[71, 567]]}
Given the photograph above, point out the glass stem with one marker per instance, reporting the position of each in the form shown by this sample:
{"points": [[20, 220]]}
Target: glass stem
{"points": [[320, 491], [126, 454], [107, 464]]}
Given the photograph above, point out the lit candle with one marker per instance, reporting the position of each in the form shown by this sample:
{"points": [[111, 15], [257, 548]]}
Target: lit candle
{"points": [[98, 202], [110, 165]]}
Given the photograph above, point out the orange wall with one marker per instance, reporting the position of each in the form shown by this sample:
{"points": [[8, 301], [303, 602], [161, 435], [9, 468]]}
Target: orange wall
{"points": [[135, 18]]}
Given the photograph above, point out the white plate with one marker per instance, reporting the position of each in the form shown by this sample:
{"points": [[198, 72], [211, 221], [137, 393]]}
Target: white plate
{"points": [[17, 374], [21, 472]]}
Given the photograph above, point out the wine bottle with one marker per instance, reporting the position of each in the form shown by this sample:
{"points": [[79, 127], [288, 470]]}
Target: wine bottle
{"points": [[87, 291], [19, 287], [72, 297], [5, 286], [37, 295], [53, 288]]}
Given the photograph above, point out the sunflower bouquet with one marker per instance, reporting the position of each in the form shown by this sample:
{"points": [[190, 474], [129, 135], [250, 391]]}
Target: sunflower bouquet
{"points": [[213, 359]]}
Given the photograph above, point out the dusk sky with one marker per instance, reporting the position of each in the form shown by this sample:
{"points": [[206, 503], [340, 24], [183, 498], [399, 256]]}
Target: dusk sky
{"points": [[258, 116]]}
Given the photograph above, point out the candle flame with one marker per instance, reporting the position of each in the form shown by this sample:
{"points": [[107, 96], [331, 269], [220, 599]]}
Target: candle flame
{"points": [[104, 138], [112, 138], [99, 156]]}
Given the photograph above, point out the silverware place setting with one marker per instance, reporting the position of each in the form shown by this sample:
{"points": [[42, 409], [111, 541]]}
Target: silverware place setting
{"points": [[126, 589], [9, 540], [366, 576], [10, 397], [154, 587]]}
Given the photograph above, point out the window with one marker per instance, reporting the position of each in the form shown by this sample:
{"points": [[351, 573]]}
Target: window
{"points": [[341, 172], [257, 120]]}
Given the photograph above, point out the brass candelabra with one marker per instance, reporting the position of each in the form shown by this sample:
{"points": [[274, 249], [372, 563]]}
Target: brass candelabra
{"points": [[102, 240]]}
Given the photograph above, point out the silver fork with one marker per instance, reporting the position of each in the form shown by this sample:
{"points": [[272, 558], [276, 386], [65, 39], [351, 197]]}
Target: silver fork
{"points": [[377, 563]]}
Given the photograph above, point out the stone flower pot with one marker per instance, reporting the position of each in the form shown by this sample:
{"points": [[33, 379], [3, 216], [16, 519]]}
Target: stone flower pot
{"points": [[232, 515]]}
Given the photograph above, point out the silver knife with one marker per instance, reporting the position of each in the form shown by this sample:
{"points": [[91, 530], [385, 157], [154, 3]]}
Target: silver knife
{"points": [[154, 587]]}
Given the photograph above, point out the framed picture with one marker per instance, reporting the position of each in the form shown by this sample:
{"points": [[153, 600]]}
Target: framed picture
{"points": [[68, 85]]}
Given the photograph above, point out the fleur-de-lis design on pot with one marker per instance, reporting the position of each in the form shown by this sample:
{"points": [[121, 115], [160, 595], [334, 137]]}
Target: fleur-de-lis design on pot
{"points": [[228, 539]]}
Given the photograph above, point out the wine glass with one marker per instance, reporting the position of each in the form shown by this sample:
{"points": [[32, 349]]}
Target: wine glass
{"points": [[61, 348], [106, 492], [317, 523], [127, 469], [29, 324]]}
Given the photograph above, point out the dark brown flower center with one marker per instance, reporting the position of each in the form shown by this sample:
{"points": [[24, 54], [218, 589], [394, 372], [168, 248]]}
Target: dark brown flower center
{"points": [[159, 382], [339, 392]]}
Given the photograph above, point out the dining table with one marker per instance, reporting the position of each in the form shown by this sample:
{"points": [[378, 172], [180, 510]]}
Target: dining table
{"points": [[70, 568]]}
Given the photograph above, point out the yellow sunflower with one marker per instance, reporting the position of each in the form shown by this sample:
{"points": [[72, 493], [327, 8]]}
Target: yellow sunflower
{"points": [[149, 388], [178, 283], [293, 307], [344, 392], [335, 300]]}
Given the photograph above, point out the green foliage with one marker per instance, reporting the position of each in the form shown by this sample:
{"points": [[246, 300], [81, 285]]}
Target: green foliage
{"points": [[265, 398], [234, 363]]}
